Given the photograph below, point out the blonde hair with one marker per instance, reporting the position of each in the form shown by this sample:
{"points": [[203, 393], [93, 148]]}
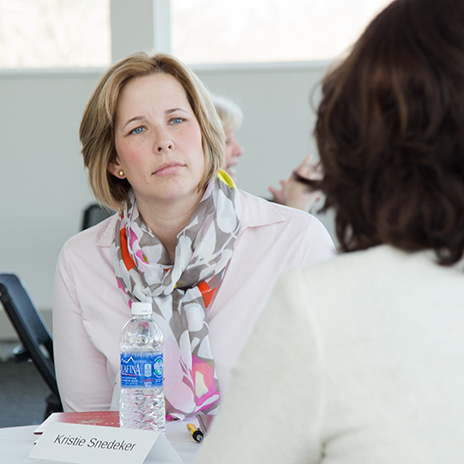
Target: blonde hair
{"points": [[231, 115], [96, 131]]}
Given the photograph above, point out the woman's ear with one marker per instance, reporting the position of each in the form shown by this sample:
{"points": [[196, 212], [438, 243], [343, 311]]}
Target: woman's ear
{"points": [[115, 168]]}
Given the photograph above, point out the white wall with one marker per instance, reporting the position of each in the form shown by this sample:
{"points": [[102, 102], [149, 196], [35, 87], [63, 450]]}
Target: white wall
{"points": [[44, 187], [278, 102], [278, 119]]}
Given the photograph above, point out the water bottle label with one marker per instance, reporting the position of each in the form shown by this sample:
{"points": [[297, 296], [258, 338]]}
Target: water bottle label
{"points": [[141, 370]]}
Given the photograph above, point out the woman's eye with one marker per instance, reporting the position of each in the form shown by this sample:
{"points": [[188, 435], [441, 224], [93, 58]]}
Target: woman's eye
{"points": [[137, 130], [227, 141], [176, 120]]}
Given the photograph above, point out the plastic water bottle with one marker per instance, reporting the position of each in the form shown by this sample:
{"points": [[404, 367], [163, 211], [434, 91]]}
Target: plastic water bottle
{"points": [[141, 401]]}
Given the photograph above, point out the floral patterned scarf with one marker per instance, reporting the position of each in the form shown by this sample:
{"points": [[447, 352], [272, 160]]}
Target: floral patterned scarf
{"points": [[181, 292]]}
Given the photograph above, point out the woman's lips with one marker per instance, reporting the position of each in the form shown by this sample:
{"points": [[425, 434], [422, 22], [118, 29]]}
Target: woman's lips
{"points": [[166, 169]]}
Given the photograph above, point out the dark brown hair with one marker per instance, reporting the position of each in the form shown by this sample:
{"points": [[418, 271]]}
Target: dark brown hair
{"points": [[390, 132]]}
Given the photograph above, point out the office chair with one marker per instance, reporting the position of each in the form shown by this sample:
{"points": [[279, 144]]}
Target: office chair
{"points": [[94, 214], [34, 334]]}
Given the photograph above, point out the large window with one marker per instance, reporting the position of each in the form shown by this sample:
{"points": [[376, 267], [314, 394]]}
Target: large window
{"points": [[224, 31], [76, 33], [54, 33]]}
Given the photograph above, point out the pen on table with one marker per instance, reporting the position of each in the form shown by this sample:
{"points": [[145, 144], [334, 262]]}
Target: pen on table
{"points": [[197, 434]]}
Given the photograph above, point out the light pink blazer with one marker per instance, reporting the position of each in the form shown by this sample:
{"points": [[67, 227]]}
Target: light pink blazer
{"points": [[89, 312]]}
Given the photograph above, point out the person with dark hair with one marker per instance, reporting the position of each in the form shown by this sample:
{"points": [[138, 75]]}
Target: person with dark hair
{"points": [[204, 253], [360, 360]]}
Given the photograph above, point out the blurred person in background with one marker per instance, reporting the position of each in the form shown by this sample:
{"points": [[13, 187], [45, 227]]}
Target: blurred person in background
{"points": [[293, 192]]}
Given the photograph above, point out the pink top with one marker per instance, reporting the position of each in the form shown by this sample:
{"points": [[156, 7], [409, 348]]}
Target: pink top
{"points": [[89, 311]]}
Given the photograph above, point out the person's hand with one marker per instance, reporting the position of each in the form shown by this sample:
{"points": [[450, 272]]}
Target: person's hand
{"points": [[296, 194]]}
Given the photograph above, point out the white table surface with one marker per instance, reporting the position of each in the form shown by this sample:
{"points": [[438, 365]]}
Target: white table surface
{"points": [[17, 442]]}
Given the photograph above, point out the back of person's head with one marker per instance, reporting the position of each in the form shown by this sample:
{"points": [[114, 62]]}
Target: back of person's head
{"points": [[97, 126], [390, 132], [230, 114]]}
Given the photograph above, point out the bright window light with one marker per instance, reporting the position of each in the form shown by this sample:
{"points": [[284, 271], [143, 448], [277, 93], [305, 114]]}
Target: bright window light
{"points": [[54, 33], [223, 31]]}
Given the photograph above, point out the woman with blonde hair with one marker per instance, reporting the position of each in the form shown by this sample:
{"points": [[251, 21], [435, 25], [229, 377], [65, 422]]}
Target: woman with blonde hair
{"points": [[184, 238]]}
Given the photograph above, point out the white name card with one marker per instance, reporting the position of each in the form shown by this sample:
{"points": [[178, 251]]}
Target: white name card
{"points": [[91, 444]]}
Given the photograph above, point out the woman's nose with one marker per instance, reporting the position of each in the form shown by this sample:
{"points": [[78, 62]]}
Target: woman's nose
{"points": [[238, 149], [164, 146], [162, 142]]}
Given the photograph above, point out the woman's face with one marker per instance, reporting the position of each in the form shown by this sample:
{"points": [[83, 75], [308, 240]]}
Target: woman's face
{"points": [[158, 141], [233, 151]]}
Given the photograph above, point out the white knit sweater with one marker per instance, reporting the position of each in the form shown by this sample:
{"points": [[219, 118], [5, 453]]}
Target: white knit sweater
{"points": [[358, 360]]}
